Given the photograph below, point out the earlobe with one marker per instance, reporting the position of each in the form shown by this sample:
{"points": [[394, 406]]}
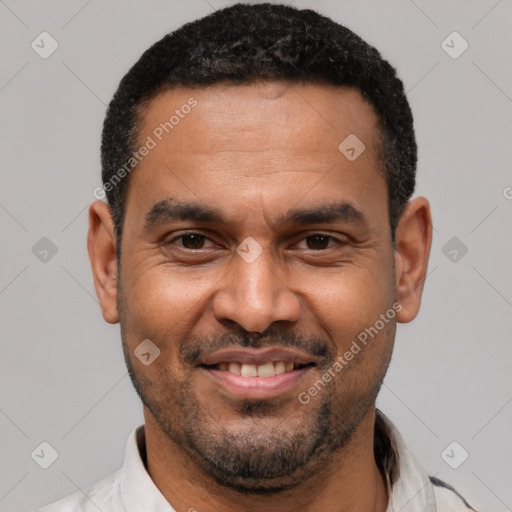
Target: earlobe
{"points": [[101, 246], [413, 242]]}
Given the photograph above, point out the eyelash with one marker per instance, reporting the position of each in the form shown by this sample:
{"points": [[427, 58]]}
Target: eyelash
{"points": [[330, 237]]}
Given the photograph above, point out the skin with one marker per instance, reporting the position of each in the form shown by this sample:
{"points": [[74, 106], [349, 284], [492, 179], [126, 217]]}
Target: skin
{"points": [[254, 152]]}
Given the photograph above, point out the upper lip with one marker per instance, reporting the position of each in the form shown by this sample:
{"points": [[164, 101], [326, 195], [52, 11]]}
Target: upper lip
{"points": [[257, 356]]}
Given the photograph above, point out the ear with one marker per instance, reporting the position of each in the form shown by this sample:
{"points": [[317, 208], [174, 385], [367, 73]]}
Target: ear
{"points": [[101, 246], [413, 240]]}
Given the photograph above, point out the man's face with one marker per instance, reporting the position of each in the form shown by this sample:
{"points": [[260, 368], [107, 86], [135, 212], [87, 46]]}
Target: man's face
{"points": [[261, 157]]}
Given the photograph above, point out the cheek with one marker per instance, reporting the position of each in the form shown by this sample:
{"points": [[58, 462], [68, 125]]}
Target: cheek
{"points": [[349, 300], [164, 304]]}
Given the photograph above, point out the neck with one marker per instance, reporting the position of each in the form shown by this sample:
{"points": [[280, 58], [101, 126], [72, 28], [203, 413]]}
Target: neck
{"points": [[350, 481]]}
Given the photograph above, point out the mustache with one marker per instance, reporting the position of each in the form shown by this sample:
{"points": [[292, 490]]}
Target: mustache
{"points": [[197, 347]]}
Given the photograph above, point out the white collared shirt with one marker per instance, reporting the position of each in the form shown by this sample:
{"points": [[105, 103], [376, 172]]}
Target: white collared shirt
{"points": [[131, 489]]}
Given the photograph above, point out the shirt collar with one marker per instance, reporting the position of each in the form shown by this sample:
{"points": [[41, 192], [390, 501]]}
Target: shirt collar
{"points": [[138, 492], [410, 488]]}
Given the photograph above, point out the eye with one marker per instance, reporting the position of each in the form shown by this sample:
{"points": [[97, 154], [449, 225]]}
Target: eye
{"points": [[319, 241], [196, 241], [192, 241]]}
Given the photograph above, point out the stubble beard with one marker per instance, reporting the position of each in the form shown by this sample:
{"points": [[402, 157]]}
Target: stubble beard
{"points": [[256, 460]]}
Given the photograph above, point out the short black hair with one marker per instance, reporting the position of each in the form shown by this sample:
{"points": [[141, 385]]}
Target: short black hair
{"points": [[246, 43]]}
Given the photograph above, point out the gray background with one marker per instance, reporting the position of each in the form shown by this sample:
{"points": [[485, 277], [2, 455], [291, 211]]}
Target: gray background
{"points": [[62, 375]]}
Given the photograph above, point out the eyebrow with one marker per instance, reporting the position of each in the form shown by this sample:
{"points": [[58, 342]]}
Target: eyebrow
{"points": [[324, 214], [171, 210]]}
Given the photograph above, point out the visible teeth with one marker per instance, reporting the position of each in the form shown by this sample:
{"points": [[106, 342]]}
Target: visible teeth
{"points": [[280, 367], [252, 370], [266, 370], [234, 368], [248, 370]]}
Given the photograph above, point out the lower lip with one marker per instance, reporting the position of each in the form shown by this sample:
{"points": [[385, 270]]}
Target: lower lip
{"points": [[257, 387]]}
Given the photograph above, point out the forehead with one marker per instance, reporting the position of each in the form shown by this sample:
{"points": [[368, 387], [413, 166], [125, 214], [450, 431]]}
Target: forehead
{"points": [[225, 142], [308, 117]]}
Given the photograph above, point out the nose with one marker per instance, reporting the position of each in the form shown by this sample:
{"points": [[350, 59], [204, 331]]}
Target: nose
{"points": [[255, 295]]}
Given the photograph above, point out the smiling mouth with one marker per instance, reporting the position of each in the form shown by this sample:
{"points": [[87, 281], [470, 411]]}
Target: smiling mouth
{"points": [[269, 369]]}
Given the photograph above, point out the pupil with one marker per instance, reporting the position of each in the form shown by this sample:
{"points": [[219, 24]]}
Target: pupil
{"points": [[192, 241], [318, 240]]}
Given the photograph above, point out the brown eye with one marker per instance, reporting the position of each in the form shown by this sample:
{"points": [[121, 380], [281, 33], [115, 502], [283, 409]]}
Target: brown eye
{"points": [[318, 241], [192, 241]]}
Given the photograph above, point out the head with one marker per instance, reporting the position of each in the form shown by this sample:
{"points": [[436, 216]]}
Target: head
{"points": [[263, 204]]}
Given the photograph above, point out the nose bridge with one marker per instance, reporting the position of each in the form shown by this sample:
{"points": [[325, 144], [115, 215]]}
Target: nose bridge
{"points": [[257, 283], [254, 294]]}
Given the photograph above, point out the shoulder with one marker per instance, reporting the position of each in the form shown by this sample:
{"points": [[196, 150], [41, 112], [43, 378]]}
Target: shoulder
{"points": [[97, 496], [447, 498]]}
